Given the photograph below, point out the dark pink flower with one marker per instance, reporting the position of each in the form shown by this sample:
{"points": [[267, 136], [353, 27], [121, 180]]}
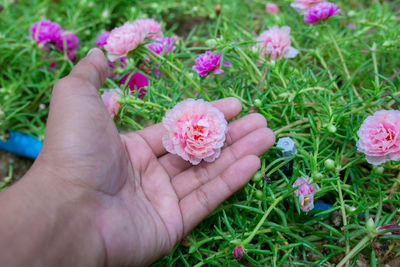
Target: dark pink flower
{"points": [[137, 81], [44, 31], [209, 62], [161, 45], [320, 12], [101, 39], [272, 8], [238, 252], [67, 42]]}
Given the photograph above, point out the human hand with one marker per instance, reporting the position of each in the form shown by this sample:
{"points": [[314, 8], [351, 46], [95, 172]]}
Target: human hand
{"points": [[139, 200]]}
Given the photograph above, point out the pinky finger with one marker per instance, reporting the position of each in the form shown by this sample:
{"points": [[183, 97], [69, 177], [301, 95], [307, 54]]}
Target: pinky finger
{"points": [[205, 199]]}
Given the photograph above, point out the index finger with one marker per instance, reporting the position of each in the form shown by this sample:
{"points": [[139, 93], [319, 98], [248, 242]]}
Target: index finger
{"points": [[229, 106]]}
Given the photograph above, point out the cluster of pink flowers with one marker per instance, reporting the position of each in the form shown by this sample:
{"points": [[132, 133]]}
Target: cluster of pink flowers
{"points": [[274, 43], [315, 10], [129, 36], [305, 192], [379, 137], [195, 131], [209, 62], [47, 32]]}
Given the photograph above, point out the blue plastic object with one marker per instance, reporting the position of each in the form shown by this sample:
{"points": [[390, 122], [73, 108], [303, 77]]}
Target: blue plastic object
{"points": [[22, 145], [319, 205]]}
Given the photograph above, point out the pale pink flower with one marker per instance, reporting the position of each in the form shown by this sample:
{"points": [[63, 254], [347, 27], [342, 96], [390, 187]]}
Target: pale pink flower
{"points": [[379, 137], [44, 31], [195, 131], [274, 43], [110, 99], [305, 192], [272, 8], [303, 6], [321, 11], [123, 39], [101, 39], [209, 62], [149, 28]]}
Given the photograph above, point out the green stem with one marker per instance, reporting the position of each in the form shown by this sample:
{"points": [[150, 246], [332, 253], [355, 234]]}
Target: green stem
{"points": [[358, 247], [373, 49], [343, 210], [260, 223]]}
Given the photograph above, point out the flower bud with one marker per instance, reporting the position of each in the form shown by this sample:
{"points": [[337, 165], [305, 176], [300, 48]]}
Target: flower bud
{"points": [[211, 43], [258, 194], [238, 252], [379, 170], [257, 103], [332, 128], [329, 164], [370, 225], [257, 177]]}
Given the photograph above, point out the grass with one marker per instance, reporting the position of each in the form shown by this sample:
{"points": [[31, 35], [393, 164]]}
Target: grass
{"points": [[339, 77]]}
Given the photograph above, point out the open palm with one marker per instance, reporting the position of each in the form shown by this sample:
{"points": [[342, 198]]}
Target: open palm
{"points": [[143, 200]]}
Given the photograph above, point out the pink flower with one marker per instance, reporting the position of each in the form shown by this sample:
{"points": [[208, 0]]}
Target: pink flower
{"points": [[149, 28], [101, 39], [161, 45], [67, 42], [303, 6], [110, 99], [137, 81], [209, 62], [305, 192], [274, 43], [379, 137], [122, 40], [44, 31], [272, 8], [195, 131], [238, 252], [321, 11]]}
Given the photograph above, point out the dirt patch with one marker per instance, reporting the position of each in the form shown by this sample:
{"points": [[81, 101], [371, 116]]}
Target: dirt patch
{"points": [[20, 166]]}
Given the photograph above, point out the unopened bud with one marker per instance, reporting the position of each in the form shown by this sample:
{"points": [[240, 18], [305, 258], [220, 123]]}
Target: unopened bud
{"points": [[258, 194], [257, 177], [329, 164], [332, 128], [238, 252], [379, 170], [370, 225], [257, 103], [211, 43]]}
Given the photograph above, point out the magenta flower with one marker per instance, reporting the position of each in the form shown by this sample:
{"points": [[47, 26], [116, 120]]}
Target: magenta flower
{"points": [[110, 99], [271, 8], [274, 43], [67, 42], [137, 81], [392, 225], [238, 252], [209, 62], [161, 45], [195, 131], [321, 11], [305, 192], [303, 6], [44, 31], [379, 137], [101, 39]]}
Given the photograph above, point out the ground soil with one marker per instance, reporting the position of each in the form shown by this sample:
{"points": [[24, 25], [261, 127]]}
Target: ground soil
{"points": [[20, 165]]}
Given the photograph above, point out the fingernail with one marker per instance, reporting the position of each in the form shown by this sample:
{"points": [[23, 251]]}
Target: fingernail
{"points": [[91, 51]]}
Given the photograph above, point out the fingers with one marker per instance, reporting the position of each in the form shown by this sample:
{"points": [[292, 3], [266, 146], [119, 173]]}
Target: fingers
{"points": [[174, 165], [201, 202], [255, 143], [229, 106]]}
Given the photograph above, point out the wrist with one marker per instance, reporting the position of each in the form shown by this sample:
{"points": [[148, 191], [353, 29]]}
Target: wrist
{"points": [[54, 226]]}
